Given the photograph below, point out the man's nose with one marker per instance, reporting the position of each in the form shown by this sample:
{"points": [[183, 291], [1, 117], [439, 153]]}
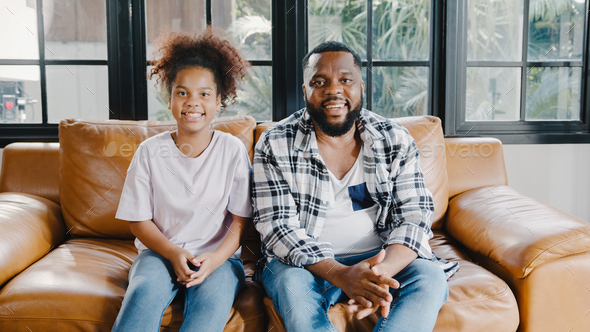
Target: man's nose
{"points": [[333, 88]]}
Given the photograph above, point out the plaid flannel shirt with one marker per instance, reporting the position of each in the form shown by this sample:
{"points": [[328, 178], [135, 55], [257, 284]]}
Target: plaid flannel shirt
{"points": [[291, 181]]}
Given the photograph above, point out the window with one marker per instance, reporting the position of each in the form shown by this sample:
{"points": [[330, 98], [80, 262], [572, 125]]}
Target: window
{"points": [[394, 41], [54, 68], [519, 70], [248, 27], [513, 69]]}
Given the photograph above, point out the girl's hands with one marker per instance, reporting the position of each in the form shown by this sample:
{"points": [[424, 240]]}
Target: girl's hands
{"points": [[179, 259], [207, 263]]}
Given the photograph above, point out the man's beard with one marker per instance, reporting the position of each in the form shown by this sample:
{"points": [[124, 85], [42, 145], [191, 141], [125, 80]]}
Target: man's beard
{"points": [[321, 120]]}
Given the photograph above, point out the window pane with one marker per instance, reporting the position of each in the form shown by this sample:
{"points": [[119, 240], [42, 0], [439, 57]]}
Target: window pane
{"points": [[77, 92], [553, 93], [556, 30], [157, 101], [493, 94], [400, 91], [19, 30], [495, 30], [173, 15], [75, 29], [343, 21], [247, 25], [254, 97], [20, 94], [401, 29]]}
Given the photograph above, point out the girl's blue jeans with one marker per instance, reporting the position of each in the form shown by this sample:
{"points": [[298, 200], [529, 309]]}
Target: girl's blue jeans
{"points": [[153, 285]]}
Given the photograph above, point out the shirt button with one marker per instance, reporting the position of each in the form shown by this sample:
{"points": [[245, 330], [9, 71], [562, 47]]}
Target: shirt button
{"points": [[324, 202]]}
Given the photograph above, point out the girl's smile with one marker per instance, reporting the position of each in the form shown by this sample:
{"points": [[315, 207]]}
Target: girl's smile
{"points": [[194, 100]]}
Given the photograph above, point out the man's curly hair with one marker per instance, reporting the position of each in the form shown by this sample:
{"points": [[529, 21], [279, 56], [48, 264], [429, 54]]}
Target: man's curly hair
{"points": [[178, 50]]}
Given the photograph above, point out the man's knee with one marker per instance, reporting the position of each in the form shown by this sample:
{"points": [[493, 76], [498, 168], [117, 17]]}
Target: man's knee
{"points": [[430, 279], [289, 286]]}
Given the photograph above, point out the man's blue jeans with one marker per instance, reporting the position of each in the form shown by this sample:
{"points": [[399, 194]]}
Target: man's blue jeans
{"points": [[153, 285], [303, 299]]}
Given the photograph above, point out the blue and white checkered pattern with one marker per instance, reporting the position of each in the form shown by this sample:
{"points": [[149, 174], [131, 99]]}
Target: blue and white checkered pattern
{"points": [[291, 181]]}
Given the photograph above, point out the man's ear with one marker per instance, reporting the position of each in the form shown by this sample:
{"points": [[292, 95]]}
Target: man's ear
{"points": [[362, 86], [304, 96]]}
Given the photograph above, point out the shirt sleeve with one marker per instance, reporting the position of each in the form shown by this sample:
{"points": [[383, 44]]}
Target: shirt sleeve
{"points": [[136, 203], [276, 215], [412, 204], [240, 202]]}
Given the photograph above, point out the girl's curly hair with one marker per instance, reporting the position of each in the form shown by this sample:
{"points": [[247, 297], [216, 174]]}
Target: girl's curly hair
{"points": [[178, 50]]}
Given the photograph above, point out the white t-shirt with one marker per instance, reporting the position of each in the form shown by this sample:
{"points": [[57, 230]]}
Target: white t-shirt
{"points": [[351, 214], [188, 198]]}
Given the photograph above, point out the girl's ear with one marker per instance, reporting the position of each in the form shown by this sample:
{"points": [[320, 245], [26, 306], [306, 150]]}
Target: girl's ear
{"points": [[218, 103], [168, 102]]}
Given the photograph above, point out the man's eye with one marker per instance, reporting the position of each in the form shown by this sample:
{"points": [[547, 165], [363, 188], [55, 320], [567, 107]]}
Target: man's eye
{"points": [[318, 83], [346, 80]]}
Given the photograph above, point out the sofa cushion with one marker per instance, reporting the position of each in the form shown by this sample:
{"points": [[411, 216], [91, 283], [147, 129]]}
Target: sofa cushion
{"points": [[428, 134], [478, 300], [94, 157], [80, 285]]}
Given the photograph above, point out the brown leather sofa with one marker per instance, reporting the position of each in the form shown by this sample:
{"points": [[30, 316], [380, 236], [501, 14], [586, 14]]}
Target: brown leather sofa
{"points": [[64, 258]]}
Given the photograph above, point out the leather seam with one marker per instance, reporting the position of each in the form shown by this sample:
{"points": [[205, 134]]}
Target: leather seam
{"points": [[56, 319], [489, 297], [524, 274], [244, 320], [102, 322]]}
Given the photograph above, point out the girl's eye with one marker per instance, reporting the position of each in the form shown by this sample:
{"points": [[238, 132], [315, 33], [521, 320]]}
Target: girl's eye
{"points": [[182, 93], [204, 94]]}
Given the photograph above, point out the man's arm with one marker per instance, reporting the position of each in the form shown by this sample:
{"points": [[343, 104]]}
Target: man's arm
{"points": [[413, 209], [276, 216], [412, 206]]}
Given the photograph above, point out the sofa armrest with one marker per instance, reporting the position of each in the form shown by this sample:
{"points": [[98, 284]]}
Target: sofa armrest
{"points": [[516, 232], [31, 168], [30, 226], [474, 162]]}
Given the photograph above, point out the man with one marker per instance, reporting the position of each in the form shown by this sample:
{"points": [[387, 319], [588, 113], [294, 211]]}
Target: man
{"points": [[334, 184]]}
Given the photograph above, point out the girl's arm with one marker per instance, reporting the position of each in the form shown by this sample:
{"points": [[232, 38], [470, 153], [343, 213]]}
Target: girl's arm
{"points": [[208, 262], [150, 235]]}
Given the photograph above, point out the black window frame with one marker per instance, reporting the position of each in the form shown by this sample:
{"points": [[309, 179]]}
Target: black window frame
{"points": [[509, 132], [44, 131], [127, 61]]}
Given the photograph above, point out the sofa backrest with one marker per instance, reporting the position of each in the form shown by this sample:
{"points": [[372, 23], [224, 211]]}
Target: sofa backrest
{"points": [[428, 134], [31, 168], [94, 156]]}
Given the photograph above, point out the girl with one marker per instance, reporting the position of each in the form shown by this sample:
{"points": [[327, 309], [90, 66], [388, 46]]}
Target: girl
{"points": [[187, 193]]}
